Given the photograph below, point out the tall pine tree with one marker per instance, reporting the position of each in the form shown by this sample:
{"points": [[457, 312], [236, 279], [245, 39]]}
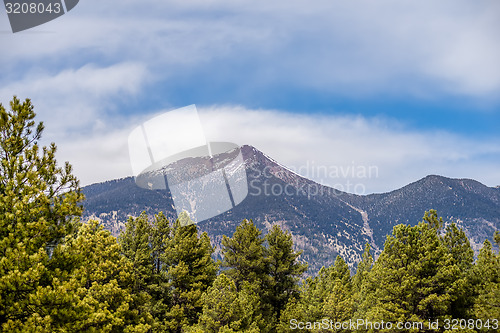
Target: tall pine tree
{"points": [[414, 278], [37, 202], [487, 273], [244, 256], [190, 270], [135, 243], [284, 270], [104, 279], [227, 309]]}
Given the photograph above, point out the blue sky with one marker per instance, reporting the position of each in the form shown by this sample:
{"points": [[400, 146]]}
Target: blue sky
{"points": [[410, 87]]}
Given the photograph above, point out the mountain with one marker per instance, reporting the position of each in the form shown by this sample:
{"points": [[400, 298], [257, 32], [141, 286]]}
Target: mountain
{"points": [[324, 222]]}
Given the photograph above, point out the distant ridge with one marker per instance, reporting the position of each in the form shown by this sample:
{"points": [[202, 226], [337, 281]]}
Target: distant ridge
{"points": [[323, 225]]}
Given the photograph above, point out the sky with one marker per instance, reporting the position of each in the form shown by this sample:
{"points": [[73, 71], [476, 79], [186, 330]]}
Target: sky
{"points": [[402, 88]]}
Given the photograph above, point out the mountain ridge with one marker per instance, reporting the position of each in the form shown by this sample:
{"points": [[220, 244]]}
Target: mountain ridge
{"points": [[324, 223]]}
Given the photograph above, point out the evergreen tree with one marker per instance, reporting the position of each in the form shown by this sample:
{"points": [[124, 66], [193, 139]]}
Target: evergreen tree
{"points": [[328, 295], [190, 271], [145, 245], [322, 286], [244, 256], [227, 309], [171, 266], [37, 201], [339, 305], [414, 277], [360, 283], [55, 274], [295, 310], [135, 243], [364, 268], [268, 272], [458, 245], [284, 270], [159, 289], [487, 271], [104, 278]]}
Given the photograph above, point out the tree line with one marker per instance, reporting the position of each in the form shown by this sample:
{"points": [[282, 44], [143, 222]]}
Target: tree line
{"points": [[58, 274]]}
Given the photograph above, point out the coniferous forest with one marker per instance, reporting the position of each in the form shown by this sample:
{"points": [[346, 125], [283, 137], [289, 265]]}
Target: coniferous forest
{"points": [[59, 274]]}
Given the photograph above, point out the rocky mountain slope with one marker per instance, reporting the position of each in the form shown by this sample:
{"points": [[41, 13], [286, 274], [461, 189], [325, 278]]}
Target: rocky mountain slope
{"points": [[324, 222]]}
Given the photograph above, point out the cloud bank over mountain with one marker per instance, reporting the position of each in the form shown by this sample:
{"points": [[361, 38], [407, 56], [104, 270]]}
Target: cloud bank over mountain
{"points": [[412, 88]]}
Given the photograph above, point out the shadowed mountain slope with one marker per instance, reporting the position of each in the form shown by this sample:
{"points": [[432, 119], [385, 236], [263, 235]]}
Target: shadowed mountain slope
{"points": [[324, 222]]}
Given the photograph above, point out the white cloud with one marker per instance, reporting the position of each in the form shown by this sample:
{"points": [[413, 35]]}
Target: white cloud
{"points": [[76, 67], [344, 47], [309, 144], [400, 154], [97, 158], [77, 99]]}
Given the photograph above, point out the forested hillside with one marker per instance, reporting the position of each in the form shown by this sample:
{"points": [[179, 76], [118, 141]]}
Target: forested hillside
{"points": [[324, 222], [58, 274]]}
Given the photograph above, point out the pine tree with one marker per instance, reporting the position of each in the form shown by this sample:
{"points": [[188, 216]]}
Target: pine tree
{"points": [[328, 295], [295, 310], [244, 256], [487, 271], [171, 266], [414, 277], [37, 202], [159, 289], [284, 270], [247, 265], [360, 283], [364, 268], [135, 242], [145, 245], [322, 286], [227, 309], [339, 305], [105, 280], [56, 275], [190, 270], [458, 245], [496, 238]]}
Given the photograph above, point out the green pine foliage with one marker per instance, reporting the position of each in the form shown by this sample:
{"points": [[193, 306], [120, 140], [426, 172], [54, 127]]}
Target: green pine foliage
{"points": [[458, 246], [487, 273], [135, 246], [284, 270], [244, 256], [363, 269], [265, 266], [225, 309], [326, 296], [60, 275], [414, 277], [171, 267], [159, 290], [37, 202], [190, 271], [104, 295]]}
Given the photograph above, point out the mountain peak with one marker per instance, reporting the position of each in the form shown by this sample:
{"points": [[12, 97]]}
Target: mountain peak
{"points": [[323, 222]]}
